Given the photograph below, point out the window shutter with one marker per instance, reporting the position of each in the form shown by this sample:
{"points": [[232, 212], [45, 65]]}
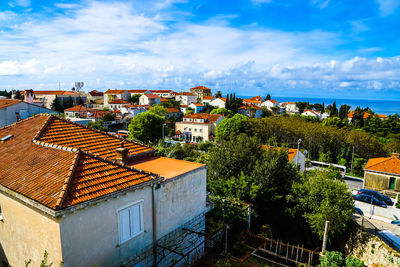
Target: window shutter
{"points": [[135, 219], [124, 230]]}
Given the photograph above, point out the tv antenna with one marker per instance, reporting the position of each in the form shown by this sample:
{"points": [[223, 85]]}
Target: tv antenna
{"points": [[79, 86]]}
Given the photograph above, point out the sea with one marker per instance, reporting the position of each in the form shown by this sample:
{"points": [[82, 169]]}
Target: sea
{"points": [[387, 107]]}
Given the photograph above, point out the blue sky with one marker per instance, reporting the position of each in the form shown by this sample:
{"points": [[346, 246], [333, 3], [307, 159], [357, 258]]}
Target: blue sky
{"points": [[315, 48]]}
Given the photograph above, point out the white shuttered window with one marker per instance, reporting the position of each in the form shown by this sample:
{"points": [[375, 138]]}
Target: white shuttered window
{"points": [[130, 222]]}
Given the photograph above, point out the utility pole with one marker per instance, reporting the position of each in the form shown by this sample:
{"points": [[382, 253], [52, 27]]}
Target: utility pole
{"points": [[325, 239], [352, 157]]}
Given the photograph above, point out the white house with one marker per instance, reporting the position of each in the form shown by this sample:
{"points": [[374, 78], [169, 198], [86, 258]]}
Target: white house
{"points": [[269, 104], [197, 107], [290, 107], [13, 110], [89, 198], [218, 102], [112, 95], [250, 111], [151, 99], [311, 113], [186, 98], [134, 109], [117, 104], [198, 127], [207, 99], [46, 98], [255, 101]]}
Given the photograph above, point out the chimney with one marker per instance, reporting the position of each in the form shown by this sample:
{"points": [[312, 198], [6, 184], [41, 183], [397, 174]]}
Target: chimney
{"points": [[396, 155], [122, 153], [13, 94]]}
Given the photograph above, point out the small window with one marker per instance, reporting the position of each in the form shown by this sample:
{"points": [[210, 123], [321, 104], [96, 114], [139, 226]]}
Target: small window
{"points": [[195, 129], [130, 222], [200, 130]]}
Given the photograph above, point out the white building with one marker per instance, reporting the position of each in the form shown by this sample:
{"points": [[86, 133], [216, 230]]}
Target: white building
{"points": [[112, 95], [46, 98], [218, 102], [207, 99], [290, 107], [269, 104], [117, 104], [198, 127], [13, 110], [186, 98], [151, 99], [134, 109]]}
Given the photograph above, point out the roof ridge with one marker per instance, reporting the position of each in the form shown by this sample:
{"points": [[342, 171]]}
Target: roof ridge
{"points": [[98, 131], [64, 189], [39, 133], [29, 118]]}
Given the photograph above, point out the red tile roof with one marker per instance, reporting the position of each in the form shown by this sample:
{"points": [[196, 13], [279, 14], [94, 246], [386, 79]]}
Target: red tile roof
{"points": [[173, 110], [118, 101], [79, 108], [292, 152], [200, 87], [208, 97], [197, 104], [185, 93], [249, 106], [96, 93], [54, 92], [59, 163], [152, 96], [8, 102], [388, 165], [114, 91], [204, 116]]}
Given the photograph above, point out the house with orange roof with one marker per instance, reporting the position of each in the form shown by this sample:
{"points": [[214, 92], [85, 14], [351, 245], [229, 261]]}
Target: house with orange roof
{"points": [[290, 107], [311, 113], [198, 127], [92, 198], [117, 104], [174, 112], [46, 97], [13, 110], [250, 110], [255, 101], [197, 107], [78, 111], [295, 156], [186, 98], [383, 173], [366, 115], [270, 104], [95, 99], [201, 91], [218, 102], [149, 99], [114, 94], [207, 99]]}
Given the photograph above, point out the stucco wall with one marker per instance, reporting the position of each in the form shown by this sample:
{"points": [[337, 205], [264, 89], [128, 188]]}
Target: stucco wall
{"points": [[90, 236], [380, 181], [179, 200], [26, 233]]}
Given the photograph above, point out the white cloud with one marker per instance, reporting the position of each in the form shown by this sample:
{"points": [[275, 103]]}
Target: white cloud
{"points": [[22, 3], [321, 3], [387, 7], [113, 45]]}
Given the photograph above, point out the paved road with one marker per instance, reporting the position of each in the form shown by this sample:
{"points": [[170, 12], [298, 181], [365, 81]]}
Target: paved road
{"points": [[353, 184], [385, 214]]}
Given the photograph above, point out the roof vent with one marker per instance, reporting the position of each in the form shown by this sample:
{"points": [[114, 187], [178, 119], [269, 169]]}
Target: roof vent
{"points": [[5, 138]]}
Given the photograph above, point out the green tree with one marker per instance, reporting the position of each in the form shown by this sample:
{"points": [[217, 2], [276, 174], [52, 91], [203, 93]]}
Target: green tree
{"points": [[108, 117], [322, 196], [222, 111], [69, 103], [332, 259], [218, 94], [146, 127], [56, 105], [189, 111], [268, 97], [265, 112], [343, 111], [334, 110], [135, 98], [230, 127], [318, 107], [159, 110], [18, 95], [80, 101], [98, 125]]}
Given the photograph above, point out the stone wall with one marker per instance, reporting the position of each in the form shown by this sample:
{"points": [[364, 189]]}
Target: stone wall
{"points": [[372, 250]]}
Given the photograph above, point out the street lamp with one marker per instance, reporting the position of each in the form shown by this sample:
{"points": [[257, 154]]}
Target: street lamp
{"points": [[298, 150]]}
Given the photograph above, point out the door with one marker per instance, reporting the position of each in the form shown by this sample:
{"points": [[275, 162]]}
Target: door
{"points": [[392, 183]]}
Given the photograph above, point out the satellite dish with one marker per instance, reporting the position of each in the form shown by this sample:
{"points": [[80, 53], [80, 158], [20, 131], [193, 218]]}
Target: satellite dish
{"points": [[79, 86]]}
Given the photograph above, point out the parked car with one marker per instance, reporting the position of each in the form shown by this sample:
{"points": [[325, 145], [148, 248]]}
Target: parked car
{"points": [[369, 199], [359, 211], [376, 195]]}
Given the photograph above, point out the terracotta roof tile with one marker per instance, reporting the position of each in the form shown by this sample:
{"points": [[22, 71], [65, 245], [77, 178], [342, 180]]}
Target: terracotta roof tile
{"points": [[8, 102], [69, 134], [205, 116], [54, 92], [173, 110], [118, 101], [200, 87], [388, 165], [39, 162]]}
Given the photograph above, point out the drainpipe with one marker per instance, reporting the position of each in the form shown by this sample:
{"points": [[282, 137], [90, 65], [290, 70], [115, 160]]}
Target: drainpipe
{"points": [[153, 203]]}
